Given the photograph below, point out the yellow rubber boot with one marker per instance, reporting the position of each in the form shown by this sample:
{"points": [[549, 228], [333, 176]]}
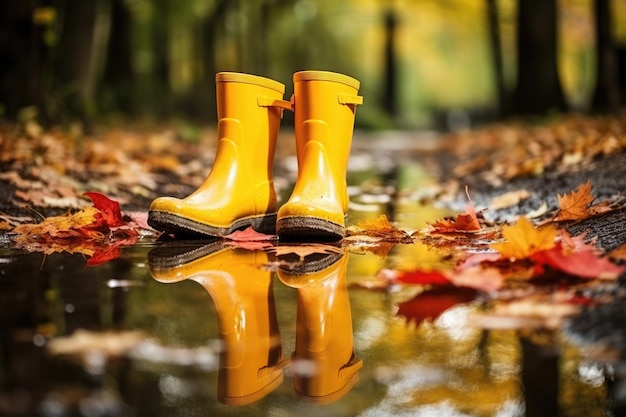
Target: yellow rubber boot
{"points": [[239, 190], [251, 360], [325, 368], [324, 105]]}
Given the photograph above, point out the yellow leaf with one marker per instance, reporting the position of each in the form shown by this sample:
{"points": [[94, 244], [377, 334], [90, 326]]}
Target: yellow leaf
{"points": [[575, 205], [55, 225], [523, 239]]}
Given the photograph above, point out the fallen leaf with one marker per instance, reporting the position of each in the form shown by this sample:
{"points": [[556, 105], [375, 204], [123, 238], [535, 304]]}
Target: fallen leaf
{"points": [[109, 209], [381, 229], [509, 199], [249, 235], [92, 231], [575, 205], [582, 263], [464, 222], [523, 239]]}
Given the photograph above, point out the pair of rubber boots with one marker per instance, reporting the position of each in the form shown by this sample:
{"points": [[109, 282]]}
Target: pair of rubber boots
{"points": [[251, 361], [239, 190]]}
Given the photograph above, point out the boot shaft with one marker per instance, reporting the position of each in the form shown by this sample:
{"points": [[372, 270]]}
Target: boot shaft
{"points": [[249, 111], [324, 110]]}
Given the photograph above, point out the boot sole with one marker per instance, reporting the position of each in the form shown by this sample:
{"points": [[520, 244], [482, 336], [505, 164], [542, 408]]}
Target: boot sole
{"points": [[181, 226], [170, 255], [309, 229]]}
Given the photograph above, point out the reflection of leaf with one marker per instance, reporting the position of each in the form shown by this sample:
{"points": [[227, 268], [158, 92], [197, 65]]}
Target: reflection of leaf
{"points": [[382, 229], [422, 277], [304, 250], [430, 304], [373, 245], [480, 278], [523, 239], [83, 342], [575, 205]]}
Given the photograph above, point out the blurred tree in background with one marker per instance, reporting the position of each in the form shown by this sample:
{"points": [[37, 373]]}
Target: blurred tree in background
{"points": [[421, 63]]}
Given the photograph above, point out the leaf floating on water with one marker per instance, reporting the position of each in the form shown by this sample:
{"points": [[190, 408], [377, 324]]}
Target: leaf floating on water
{"points": [[523, 239], [381, 229], [465, 222]]}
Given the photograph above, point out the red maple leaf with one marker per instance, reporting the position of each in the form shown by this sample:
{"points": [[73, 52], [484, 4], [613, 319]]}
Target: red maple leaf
{"points": [[583, 263], [110, 210]]}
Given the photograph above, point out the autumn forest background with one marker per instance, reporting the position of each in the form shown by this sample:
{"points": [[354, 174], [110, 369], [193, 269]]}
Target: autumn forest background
{"points": [[422, 64]]}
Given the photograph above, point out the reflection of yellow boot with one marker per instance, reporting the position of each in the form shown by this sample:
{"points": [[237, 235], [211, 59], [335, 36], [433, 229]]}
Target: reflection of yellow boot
{"points": [[251, 361], [324, 364], [324, 107], [239, 191]]}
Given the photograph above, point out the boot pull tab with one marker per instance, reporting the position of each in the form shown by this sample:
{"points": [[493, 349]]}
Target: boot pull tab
{"points": [[350, 99], [264, 101]]}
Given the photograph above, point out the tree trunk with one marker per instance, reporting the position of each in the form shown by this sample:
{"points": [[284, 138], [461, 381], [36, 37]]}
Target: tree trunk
{"points": [[390, 93], [23, 57], [538, 87], [73, 60], [606, 93], [118, 71], [496, 51], [205, 102]]}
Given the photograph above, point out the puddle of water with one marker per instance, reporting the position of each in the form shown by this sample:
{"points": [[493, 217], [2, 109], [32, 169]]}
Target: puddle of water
{"points": [[228, 332]]}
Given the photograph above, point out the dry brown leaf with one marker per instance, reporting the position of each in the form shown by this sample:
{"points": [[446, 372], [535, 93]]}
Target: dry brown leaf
{"points": [[382, 229], [575, 205], [509, 199]]}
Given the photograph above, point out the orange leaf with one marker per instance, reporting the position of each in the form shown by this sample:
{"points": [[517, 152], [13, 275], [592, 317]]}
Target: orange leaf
{"points": [[381, 228], [575, 205], [464, 222], [523, 239]]}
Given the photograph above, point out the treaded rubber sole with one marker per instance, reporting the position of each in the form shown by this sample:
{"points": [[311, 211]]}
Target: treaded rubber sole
{"points": [[181, 226], [172, 254], [308, 229]]}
